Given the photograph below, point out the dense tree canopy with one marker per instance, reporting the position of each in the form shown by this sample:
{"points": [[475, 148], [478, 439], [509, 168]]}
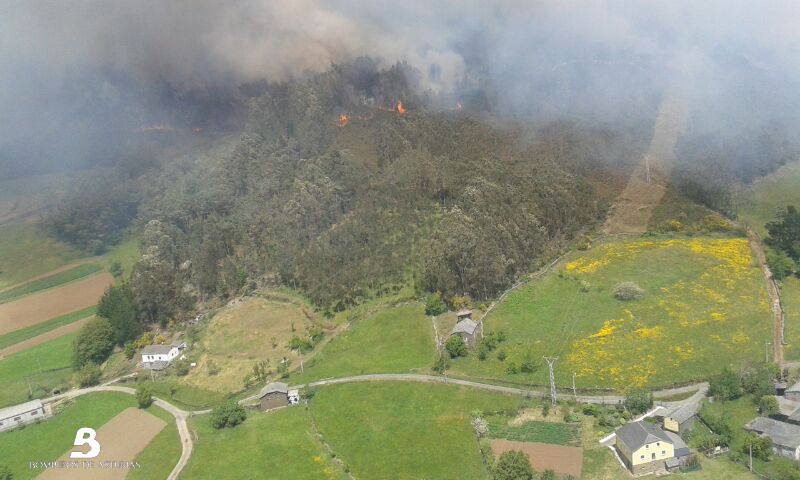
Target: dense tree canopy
{"points": [[95, 342]]}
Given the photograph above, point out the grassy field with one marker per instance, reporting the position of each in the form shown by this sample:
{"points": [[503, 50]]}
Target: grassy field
{"points": [[239, 336], [704, 306], [394, 430], [40, 368], [267, 445], [395, 340], [757, 205], [50, 281], [26, 251], [25, 333], [790, 294], [49, 440]]}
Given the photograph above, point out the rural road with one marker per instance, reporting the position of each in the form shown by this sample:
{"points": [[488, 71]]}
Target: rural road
{"points": [[180, 418]]}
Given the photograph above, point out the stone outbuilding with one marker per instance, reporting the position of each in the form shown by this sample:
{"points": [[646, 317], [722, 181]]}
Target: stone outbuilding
{"points": [[469, 330], [274, 395], [785, 436]]}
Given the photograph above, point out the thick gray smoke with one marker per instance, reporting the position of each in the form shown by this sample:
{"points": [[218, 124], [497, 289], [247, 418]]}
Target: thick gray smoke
{"points": [[78, 76]]}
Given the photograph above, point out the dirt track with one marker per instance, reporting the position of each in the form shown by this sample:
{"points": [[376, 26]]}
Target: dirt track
{"points": [[121, 439], [544, 456], [774, 297], [43, 306], [39, 339], [633, 208]]}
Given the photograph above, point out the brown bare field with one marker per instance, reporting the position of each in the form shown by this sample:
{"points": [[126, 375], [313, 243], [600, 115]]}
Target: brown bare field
{"points": [[242, 335], [43, 306], [633, 208], [544, 456], [121, 439], [47, 336]]}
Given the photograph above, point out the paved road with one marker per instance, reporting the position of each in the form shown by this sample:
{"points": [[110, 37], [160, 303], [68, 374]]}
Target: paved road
{"points": [[701, 388], [180, 418]]}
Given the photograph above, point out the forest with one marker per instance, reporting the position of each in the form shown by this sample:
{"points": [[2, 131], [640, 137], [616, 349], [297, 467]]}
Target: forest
{"points": [[439, 198]]}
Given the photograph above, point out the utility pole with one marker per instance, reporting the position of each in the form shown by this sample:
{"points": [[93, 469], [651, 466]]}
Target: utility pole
{"points": [[751, 456], [550, 362], [766, 351], [647, 168], [574, 392], [300, 352]]}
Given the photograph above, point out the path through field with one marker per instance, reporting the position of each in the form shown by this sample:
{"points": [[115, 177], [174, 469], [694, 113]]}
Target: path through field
{"points": [[632, 210], [121, 439], [774, 297], [40, 307]]}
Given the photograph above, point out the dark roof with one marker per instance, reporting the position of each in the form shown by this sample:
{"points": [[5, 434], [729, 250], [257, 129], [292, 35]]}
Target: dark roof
{"points": [[680, 447], [467, 326], [793, 388], [156, 349], [782, 433], [157, 365], [637, 434], [683, 412], [274, 387]]}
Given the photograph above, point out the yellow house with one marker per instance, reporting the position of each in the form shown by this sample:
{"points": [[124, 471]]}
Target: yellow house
{"points": [[644, 447]]}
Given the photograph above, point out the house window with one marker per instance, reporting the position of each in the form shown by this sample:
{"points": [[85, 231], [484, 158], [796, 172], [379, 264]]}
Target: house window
{"points": [[34, 413], [642, 457], [663, 452], [647, 446], [16, 419], [658, 444]]}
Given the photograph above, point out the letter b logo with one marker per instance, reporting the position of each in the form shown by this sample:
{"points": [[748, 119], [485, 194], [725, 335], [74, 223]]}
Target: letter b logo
{"points": [[81, 439]]}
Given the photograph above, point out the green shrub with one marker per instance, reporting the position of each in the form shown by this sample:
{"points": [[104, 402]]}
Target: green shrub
{"points": [[501, 355], [627, 291], [129, 350], [143, 396], [434, 305], [88, 375], [511, 368], [228, 414], [638, 401], [513, 465], [456, 347], [5, 473]]}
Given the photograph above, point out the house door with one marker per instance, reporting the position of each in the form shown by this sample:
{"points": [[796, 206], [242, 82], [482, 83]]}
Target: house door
{"points": [[653, 456]]}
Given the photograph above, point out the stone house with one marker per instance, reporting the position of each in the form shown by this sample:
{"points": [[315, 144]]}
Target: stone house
{"points": [[274, 395]]}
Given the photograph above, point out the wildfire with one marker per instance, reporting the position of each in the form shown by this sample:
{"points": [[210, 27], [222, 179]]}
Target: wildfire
{"points": [[398, 108]]}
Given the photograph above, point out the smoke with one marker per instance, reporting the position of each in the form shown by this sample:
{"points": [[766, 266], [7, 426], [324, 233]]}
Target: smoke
{"points": [[79, 76]]}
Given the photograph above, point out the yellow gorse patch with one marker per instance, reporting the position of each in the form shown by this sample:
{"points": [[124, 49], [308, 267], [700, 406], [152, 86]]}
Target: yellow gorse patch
{"points": [[691, 316]]}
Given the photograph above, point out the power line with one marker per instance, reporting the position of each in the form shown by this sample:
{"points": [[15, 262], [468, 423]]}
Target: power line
{"points": [[550, 362]]}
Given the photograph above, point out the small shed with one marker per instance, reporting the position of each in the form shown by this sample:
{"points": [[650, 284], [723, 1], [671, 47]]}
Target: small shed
{"points": [[681, 418], [275, 394], [793, 392], [294, 397], [464, 315], [469, 330]]}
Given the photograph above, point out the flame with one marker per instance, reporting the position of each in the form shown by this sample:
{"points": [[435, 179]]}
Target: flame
{"points": [[400, 108], [343, 119], [459, 106]]}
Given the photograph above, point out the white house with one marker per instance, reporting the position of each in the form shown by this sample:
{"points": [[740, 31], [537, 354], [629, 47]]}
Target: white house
{"points": [[158, 357], [21, 414]]}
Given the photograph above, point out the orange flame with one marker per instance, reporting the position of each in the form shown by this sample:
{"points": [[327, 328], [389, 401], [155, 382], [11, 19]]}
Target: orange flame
{"points": [[400, 108], [343, 119]]}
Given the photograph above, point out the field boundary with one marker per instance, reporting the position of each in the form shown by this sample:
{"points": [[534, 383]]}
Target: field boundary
{"points": [[44, 283]]}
